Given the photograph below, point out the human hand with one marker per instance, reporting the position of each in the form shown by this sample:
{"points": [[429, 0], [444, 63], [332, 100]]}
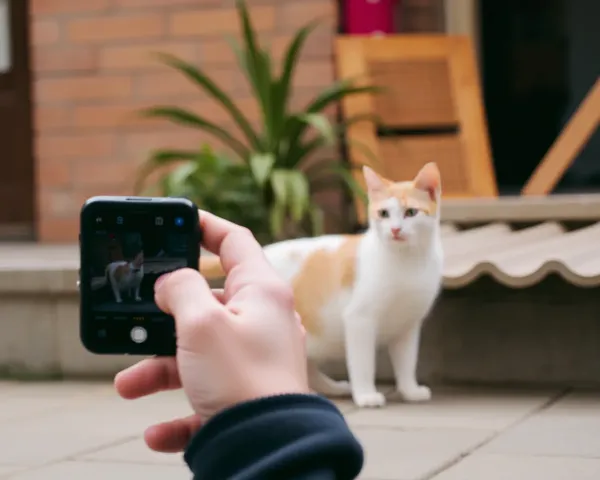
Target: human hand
{"points": [[235, 345]]}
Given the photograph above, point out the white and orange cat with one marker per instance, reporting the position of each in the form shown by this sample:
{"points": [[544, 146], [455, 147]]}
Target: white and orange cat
{"points": [[127, 277], [356, 293]]}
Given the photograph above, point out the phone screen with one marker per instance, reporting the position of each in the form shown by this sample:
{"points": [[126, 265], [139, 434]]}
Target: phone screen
{"points": [[125, 248]]}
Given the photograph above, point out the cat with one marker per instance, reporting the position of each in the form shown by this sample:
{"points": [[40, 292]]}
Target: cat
{"points": [[126, 276], [355, 293]]}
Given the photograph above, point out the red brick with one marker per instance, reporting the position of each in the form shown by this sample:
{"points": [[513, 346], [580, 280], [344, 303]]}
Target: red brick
{"points": [[53, 7], [218, 21], [319, 45], [119, 116], [137, 146], [140, 57], [61, 59], [217, 51], [143, 26], [82, 88], [53, 172], [165, 3], [57, 230], [294, 15], [50, 118], [314, 74], [57, 203], [75, 145], [44, 32], [100, 175], [174, 84]]}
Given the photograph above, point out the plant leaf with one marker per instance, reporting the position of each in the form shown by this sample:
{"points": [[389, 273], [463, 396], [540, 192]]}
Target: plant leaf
{"points": [[284, 84], [280, 186], [210, 87], [298, 186], [317, 219], [322, 124], [178, 177], [261, 165], [337, 92], [183, 117], [277, 219], [158, 159], [353, 184]]}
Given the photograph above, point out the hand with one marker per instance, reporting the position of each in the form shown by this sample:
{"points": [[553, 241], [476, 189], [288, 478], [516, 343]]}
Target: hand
{"points": [[242, 343]]}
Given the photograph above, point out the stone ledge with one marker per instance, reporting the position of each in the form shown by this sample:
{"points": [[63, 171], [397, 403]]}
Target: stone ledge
{"points": [[484, 333]]}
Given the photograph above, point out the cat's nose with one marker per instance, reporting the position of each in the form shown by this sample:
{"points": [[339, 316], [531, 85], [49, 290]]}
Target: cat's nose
{"points": [[396, 231]]}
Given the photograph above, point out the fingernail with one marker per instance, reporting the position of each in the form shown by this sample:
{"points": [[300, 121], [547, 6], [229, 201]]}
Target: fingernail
{"points": [[160, 280]]}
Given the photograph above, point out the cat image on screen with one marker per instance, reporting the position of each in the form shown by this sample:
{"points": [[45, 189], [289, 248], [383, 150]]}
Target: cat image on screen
{"points": [[126, 277]]}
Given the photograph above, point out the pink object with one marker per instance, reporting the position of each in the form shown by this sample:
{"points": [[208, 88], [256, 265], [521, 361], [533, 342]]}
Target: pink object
{"points": [[368, 17]]}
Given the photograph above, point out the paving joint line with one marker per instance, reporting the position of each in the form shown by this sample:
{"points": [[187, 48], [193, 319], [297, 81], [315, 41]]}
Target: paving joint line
{"points": [[32, 468], [552, 400]]}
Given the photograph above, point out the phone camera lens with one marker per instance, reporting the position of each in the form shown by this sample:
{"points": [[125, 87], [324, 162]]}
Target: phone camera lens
{"points": [[179, 222]]}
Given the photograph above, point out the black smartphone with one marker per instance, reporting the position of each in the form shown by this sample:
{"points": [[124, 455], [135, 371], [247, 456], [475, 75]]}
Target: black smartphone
{"points": [[126, 244]]}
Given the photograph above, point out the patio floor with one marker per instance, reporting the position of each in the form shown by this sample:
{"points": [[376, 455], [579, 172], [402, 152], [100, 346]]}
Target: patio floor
{"points": [[84, 430]]}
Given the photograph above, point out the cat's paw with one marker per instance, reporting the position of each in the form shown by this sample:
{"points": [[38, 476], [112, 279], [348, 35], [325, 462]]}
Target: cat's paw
{"points": [[337, 389], [416, 394], [369, 400], [119, 300], [138, 299]]}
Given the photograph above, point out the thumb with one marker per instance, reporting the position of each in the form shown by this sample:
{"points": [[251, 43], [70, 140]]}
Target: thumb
{"points": [[186, 296]]}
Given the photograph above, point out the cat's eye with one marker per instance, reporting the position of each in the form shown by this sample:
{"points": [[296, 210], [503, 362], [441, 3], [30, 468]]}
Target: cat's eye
{"points": [[384, 213], [411, 212]]}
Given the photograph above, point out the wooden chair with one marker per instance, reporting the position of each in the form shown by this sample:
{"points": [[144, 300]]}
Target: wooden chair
{"points": [[430, 109]]}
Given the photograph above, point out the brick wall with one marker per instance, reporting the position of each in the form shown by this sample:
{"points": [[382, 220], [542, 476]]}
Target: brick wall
{"points": [[91, 71]]}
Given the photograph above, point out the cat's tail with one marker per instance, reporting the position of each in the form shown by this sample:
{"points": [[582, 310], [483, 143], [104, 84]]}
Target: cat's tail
{"points": [[211, 268]]}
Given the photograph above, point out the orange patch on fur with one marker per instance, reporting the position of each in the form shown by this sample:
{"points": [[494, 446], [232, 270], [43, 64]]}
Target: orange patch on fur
{"points": [[121, 271], [211, 268], [323, 274]]}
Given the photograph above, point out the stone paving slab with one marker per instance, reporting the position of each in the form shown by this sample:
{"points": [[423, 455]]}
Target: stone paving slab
{"points": [[84, 430], [570, 427], [520, 467], [458, 409], [77, 470], [393, 454]]}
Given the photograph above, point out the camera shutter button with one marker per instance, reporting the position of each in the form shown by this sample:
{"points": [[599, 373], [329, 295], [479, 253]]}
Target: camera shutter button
{"points": [[139, 334]]}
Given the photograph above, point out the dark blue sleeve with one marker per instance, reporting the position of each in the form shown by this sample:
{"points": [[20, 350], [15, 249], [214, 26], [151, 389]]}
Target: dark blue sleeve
{"points": [[291, 437]]}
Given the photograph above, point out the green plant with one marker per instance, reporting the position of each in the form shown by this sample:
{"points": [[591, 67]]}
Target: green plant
{"points": [[214, 182], [278, 154]]}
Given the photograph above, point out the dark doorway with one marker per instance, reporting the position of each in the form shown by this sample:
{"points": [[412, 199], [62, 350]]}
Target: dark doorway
{"points": [[540, 58], [16, 159]]}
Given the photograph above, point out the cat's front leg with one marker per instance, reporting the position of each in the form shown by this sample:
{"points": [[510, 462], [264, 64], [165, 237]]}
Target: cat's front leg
{"points": [[404, 354], [361, 335], [115, 290], [137, 294]]}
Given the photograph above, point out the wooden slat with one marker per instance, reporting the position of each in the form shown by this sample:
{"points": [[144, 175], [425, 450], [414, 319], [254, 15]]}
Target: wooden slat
{"points": [[406, 155], [362, 137], [417, 93], [567, 146]]}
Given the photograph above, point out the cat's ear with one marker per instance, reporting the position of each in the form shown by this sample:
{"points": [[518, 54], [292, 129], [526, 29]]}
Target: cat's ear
{"points": [[429, 180], [375, 183]]}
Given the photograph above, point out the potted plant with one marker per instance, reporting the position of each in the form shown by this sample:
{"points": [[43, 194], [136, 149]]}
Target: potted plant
{"points": [[276, 155]]}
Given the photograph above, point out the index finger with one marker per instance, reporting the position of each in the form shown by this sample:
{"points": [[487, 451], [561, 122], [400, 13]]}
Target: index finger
{"points": [[234, 244], [241, 255]]}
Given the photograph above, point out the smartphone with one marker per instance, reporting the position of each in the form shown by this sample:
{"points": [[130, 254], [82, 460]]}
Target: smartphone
{"points": [[126, 244]]}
